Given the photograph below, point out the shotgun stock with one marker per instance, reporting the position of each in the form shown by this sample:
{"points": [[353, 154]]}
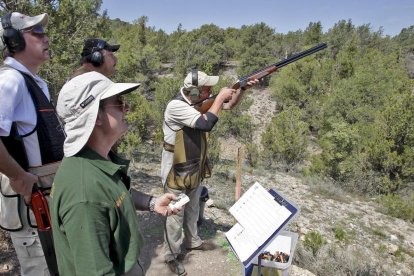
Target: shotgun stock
{"points": [[44, 228], [204, 105]]}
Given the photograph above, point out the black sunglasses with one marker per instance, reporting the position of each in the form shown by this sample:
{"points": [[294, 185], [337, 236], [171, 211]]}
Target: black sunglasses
{"points": [[37, 30]]}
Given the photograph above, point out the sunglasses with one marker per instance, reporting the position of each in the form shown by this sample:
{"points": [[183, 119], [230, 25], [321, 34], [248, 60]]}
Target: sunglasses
{"points": [[120, 103], [37, 31]]}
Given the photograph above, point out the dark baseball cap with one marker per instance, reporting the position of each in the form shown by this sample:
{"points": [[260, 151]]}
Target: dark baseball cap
{"points": [[95, 44]]}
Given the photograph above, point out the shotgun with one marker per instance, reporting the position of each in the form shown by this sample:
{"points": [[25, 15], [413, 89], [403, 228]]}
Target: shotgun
{"points": [[44, 228], [204, 105]]}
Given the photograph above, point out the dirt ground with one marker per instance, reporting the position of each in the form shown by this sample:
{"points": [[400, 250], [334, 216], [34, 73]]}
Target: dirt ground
{"points": [[219, 261], [216, 262], [8, 260]]}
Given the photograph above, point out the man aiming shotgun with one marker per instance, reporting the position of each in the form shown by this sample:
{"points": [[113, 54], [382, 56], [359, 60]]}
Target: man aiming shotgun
{"points": [[188, 117]]}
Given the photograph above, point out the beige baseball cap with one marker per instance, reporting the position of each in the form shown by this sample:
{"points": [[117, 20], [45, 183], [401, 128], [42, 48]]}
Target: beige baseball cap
{"points": [[203, 80], [21, 21], [78, 106]]}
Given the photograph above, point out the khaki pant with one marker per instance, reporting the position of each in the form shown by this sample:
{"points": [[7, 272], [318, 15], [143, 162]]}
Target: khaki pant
{"points": [[29, 252], [26, 241], [185, 220]]}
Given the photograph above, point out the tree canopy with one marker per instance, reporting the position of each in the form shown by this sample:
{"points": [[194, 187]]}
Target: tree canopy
{"points": [[353, 100]]}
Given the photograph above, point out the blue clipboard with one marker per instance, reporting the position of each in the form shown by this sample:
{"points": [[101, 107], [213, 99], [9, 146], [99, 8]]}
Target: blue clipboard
{"points": [[294, 211]]}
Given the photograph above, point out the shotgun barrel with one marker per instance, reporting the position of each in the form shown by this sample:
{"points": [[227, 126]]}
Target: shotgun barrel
{"points": [[204, 105], [242, 82]]}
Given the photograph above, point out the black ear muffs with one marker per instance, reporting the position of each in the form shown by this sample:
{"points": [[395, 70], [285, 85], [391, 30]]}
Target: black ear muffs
{"points": [[12, 38], [195, 90], [194, 93], [97, 57], [194, 77]]}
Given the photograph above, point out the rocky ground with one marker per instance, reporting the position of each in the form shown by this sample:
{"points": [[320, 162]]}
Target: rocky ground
{"points": [[356, 238], [372, 243]]}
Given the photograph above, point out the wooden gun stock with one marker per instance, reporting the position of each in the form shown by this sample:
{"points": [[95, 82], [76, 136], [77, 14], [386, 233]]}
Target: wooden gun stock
{"points": [[204, 106]]}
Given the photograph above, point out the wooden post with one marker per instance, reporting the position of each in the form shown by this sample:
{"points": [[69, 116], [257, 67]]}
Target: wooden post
{"points": [[237, 193]]}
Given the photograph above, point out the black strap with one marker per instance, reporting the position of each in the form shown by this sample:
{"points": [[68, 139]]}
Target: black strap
{"points": [[14, 145], [180, 97], [50, 132]]}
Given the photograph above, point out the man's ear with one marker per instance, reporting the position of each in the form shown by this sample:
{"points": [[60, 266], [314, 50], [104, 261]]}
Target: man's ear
{"points": [[194, 93], [99, 118]]}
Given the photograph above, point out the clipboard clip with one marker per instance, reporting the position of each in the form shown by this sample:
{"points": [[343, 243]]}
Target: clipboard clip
{"points": [[280, 200]]}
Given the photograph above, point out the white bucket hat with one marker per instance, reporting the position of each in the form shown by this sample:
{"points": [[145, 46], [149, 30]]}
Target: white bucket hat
{"points": [[21, 21], [78, 106], [203, 80]]}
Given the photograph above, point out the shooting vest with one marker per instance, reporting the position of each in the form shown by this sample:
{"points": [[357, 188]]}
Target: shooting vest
{"points": [[190, 162], [51, 136]]}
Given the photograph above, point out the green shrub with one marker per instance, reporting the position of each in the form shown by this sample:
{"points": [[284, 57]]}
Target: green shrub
{"points": [[379, 233], [285, 139], [340, 234], [235, 124], [314, 241], [338, 144], [214, 149], [396, 206], [252, 155]]}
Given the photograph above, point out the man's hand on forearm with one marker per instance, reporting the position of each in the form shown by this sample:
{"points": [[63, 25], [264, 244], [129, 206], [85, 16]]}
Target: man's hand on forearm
{"points": [[238, 95]]}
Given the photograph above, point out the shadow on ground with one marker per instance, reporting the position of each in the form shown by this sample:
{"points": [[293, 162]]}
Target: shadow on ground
{"points": [[195, 262]]}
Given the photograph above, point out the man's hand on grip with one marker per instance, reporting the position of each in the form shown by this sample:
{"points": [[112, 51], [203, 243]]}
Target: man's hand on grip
{"points": [[23, 184]]}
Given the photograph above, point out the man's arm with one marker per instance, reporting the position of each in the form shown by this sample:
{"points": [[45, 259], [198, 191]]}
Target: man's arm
{"points": [[238, 95], [224, 95], [208, 120], [20, 180]]}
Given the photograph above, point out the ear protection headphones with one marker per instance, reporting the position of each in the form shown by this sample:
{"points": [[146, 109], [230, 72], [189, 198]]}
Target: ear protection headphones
{"points": [[194, 90], [96, 57], [12, 38]]}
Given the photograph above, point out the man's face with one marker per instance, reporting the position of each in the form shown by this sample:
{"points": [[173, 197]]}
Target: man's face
{"points": [[205, 92], [108, 67], [36, 51]]}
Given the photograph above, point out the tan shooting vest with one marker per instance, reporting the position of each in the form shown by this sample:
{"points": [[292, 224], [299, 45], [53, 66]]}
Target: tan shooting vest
{"points": [[190, 163]]}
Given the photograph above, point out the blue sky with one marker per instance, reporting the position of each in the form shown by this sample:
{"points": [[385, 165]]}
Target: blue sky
{"points": [[283, 16]]}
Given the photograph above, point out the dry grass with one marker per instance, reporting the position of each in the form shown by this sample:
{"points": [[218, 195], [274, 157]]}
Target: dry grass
{"points": [[335, 260], [8, 260]]}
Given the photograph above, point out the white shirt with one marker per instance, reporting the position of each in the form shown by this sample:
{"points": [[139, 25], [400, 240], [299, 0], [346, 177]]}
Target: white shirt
{"points": [[17, 106], [177, 115]]}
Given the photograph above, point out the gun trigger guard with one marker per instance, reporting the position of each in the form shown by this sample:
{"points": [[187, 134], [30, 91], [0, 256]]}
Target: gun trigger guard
{"points": [[243, 85]]}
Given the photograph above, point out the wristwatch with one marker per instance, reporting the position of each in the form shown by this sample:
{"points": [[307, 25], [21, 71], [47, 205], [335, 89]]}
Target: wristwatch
{"points": [[152, 203]]}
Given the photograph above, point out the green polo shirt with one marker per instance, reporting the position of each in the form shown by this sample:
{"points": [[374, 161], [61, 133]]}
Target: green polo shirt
{"points": [[95, 227]]}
